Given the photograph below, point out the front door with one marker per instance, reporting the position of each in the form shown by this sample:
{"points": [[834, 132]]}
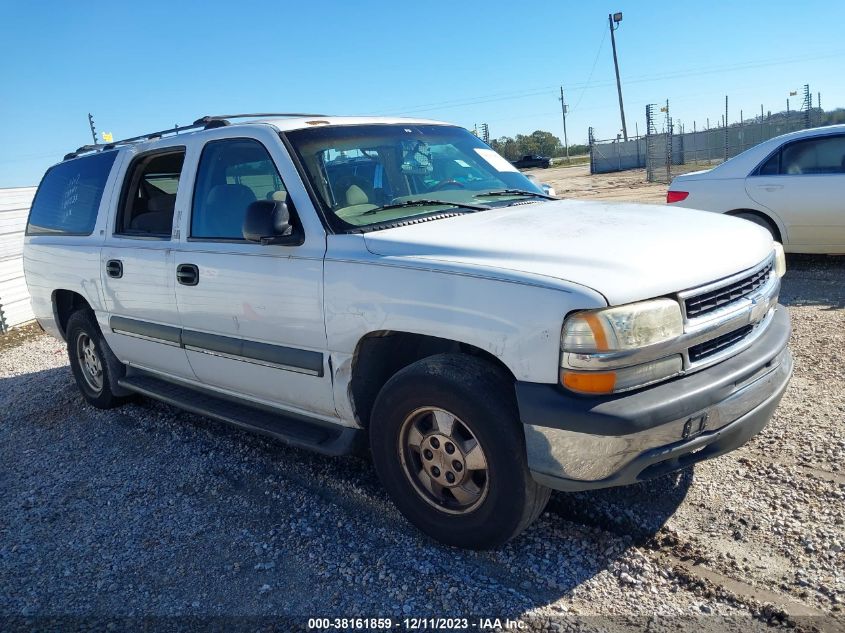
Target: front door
{"points": [[252, 314]]}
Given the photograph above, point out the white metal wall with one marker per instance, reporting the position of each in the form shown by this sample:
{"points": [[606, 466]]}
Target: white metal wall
{"points": [[14, 298]]}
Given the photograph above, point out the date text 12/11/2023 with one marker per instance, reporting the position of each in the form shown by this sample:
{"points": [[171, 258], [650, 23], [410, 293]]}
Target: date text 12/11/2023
{"points": [[413, 624]]}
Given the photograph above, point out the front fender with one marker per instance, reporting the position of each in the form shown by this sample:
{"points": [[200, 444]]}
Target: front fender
{"points": [[519, 323]]}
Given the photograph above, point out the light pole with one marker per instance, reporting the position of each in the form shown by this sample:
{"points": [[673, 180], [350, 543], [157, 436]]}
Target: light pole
{"points": [[563, 108], [611, 19]]}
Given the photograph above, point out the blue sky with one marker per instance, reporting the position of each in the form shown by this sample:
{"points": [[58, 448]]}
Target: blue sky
{"points": [[140, 66]]}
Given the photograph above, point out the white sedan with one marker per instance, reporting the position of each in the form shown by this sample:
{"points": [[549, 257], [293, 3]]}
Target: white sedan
{"points": [[793, 185]]}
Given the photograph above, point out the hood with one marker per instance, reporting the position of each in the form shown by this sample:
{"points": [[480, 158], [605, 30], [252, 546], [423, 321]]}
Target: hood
{"points": [[625, 251]]}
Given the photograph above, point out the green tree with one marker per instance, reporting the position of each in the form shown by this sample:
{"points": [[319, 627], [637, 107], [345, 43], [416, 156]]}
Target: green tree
{"points": [[538, 142], [507, 147], [834, 117]]}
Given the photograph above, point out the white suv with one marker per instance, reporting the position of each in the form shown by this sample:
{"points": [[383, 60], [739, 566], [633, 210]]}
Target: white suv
{"points": [[343, 283]]}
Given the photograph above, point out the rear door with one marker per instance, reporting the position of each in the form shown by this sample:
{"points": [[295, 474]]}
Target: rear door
{"points": [[804, 184], [252, 314], [137, 266]]}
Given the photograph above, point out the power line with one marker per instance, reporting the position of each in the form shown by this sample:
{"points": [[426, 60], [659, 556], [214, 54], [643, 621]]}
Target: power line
{"points": [[514, 94], [518, 93], [592, 70]]}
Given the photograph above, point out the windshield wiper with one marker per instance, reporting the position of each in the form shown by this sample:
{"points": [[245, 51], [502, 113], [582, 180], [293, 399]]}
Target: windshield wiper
{"points": [[513, 192], [427, 203]]}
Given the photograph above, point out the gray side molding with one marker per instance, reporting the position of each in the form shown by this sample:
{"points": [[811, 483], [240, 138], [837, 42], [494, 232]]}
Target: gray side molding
{"points": [[145, 329], [291, 357], [278, 356]]}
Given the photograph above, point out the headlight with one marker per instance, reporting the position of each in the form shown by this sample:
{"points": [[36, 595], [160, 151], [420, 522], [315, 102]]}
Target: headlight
{"points": [[607, 339], [623, 328], [780, 260]]}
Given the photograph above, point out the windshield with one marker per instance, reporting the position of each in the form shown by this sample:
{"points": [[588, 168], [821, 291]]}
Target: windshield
{"points": [[367, 175]]}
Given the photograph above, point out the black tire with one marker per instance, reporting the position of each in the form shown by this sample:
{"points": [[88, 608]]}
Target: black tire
{"points": [[759, 221], [482, 400], [82, 328]]}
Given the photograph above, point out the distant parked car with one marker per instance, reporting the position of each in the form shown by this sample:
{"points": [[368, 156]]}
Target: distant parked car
{"points": [[793, 185], [533, 160]]}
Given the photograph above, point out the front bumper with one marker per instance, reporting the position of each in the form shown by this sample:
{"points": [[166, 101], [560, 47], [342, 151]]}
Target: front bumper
{"points": [[580, 443]]}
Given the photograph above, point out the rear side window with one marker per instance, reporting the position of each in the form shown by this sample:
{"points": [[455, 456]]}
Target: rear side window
{"points": [[823, 155], [149, 194], [772, 166], [69, 196]]}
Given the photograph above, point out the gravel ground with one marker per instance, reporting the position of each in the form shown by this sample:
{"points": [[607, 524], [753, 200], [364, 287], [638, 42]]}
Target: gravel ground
{"points": [[577, 182], [146, 511]]}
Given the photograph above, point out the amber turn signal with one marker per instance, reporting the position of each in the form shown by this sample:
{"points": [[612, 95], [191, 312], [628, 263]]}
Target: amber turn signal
{"points": [[588, 382]]}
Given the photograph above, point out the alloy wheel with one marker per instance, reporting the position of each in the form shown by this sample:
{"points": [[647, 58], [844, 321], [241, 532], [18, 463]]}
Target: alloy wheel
{"points": [[444, 460]]}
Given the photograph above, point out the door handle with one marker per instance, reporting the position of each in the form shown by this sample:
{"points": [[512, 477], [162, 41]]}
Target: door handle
{"points": [[770, 187], [114, 268], [187, 274]]}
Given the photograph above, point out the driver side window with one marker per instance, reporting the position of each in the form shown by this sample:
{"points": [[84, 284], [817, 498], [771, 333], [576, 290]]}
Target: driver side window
{"points": [[232, 174]]}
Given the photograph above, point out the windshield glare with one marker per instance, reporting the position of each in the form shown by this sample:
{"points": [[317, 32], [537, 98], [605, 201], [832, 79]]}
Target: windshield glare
{"points": [[358, 169]]}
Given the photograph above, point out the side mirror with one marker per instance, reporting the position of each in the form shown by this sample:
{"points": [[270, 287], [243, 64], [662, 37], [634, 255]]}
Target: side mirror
{"points": [[268, 222]]}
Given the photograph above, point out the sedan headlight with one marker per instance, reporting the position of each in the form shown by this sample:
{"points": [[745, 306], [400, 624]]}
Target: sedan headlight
{"points": [[609, 339], [780, 260]]}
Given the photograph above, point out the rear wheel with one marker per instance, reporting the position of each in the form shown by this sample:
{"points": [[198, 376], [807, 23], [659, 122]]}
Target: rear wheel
{"points": [[759, 221], [450, 451], [94, 366]]}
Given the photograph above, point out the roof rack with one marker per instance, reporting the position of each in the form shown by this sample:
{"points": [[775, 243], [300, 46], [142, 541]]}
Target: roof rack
{"points": [[206, 122]]}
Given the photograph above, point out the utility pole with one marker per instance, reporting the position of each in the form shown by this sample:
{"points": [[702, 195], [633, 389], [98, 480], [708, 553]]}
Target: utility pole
{"points": [[93, 129], [807, 105], [617, 18], [563, 108]]}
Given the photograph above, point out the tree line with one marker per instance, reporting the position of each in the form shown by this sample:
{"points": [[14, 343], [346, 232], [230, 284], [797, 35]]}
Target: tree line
{"points": [[538, 142], [547, 144]]}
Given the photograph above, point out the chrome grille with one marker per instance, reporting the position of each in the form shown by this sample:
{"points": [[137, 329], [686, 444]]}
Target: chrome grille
{"points": [[716, 345], [706, 302]]}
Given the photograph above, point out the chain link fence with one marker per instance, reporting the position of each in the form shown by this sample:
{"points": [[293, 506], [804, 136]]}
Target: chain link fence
{"points": [[614, 155], [669, 148]]}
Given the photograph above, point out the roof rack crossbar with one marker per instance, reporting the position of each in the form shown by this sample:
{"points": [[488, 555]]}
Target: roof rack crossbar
{"points": [[206, 122], [143, 137], [217, 117]]}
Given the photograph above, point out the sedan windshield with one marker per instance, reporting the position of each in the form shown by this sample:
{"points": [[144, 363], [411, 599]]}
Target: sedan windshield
{"points": [[371, 175]]}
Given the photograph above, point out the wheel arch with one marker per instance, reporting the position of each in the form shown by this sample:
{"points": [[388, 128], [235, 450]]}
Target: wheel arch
{"points": [[65, 303], [380, 354], [774, 222]]}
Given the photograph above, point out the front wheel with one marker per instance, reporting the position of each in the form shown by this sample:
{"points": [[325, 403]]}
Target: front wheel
{"points": [[450, 451]]}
